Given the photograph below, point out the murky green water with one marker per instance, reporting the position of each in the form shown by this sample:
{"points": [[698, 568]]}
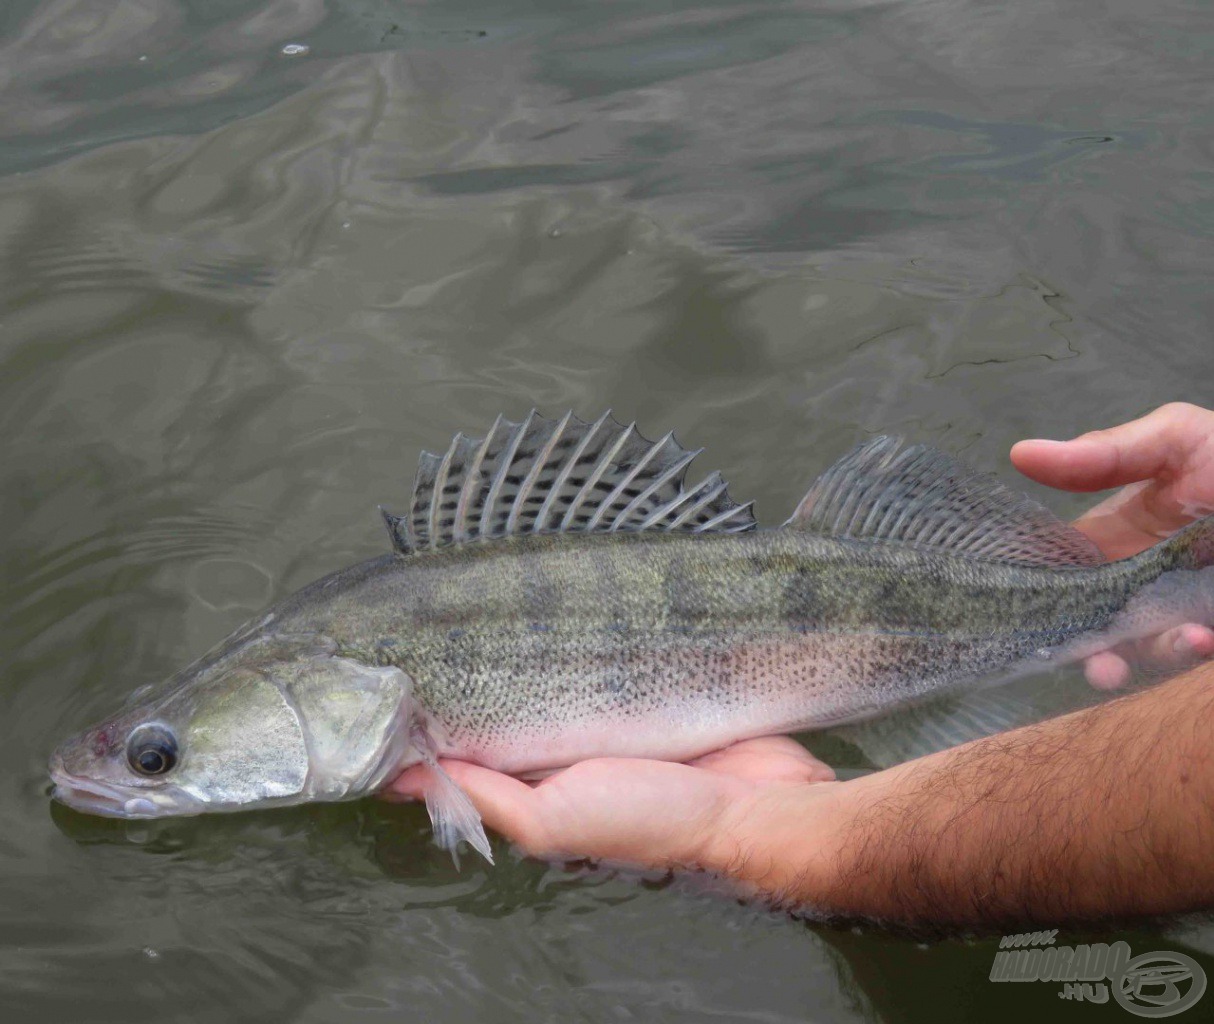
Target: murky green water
{"points": [[240, 288]]}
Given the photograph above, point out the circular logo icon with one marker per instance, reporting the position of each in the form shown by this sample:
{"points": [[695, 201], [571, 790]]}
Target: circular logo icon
{"points": [[1159, 984]]}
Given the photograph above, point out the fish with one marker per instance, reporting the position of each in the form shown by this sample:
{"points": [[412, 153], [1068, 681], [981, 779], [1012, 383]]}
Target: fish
{"points": [[557, 592]]}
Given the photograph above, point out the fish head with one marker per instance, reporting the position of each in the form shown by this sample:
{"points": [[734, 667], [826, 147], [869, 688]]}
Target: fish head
{"points": [[282, 721]]}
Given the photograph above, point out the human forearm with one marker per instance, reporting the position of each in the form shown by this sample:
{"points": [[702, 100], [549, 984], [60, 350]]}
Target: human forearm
{"points": [[1108, 811]]}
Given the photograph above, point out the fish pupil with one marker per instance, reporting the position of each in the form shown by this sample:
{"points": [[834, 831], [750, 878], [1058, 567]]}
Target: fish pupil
{"points": [[151, 761]]}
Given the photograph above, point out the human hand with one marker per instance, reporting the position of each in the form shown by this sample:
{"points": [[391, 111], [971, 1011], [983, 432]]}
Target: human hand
{"points": [[1164, 465], [652, 814]]}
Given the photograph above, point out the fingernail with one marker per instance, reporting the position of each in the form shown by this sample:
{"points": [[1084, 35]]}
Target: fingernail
{"points": [[1181, 645], [1045, 440]]}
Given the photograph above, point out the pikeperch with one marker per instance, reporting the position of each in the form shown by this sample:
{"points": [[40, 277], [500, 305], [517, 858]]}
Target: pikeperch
{"points": [[555, 593]]}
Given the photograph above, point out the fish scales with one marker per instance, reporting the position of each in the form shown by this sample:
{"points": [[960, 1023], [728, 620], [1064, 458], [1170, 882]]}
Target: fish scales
{"points": [[511, 643], [556, 592]]}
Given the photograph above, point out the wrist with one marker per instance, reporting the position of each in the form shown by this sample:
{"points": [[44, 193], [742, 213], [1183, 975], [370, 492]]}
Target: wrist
{"points": [[782, 841], [797, 844]]}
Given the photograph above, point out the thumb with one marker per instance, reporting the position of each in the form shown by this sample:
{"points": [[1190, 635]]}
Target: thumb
{"points": [[1154, 446]]}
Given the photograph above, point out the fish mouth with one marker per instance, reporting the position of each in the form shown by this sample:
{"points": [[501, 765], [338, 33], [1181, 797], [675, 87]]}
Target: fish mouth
{"points": [[95, 797]]}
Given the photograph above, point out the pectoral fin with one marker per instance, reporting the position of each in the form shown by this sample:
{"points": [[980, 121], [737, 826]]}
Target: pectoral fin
{"points": [[452, 813]]}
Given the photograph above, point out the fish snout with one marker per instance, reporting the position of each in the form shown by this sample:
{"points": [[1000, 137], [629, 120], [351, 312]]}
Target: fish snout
{"points": [[97, 796]]}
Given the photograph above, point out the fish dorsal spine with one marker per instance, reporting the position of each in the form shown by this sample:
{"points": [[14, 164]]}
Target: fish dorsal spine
{"points": [[545, 476], [918, 496]]}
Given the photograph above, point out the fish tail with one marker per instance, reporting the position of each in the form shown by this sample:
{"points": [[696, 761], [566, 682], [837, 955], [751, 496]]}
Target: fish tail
{"points": [[1176, 587], [1191, 548]]}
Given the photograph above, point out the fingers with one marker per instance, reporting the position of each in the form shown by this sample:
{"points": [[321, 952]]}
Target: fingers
{"points": [[1078, 465], [506, 804], [767, 759], [1177, 648], [1193, 642], [1154, 446], [1163, 457], [1107, 671], [1171, 651], [626, 810], [645, 813], [1132, 520]]}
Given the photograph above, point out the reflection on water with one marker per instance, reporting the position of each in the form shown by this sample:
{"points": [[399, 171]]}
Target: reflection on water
{"points": [[240, 287]]}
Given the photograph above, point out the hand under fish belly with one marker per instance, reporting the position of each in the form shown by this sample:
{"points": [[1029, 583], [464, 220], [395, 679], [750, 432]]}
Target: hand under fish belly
{"points": [[556, 592]]}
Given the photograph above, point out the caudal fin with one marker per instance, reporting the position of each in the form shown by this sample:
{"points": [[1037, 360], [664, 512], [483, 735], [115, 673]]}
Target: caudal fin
{"points": [[1191, 548]]}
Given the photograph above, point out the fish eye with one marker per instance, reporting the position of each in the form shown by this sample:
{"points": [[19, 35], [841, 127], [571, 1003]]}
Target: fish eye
{"points": [[151, 750]]}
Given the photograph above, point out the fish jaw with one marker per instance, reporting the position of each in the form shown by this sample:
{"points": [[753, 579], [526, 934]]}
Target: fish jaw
{"points": [[95, 796]]}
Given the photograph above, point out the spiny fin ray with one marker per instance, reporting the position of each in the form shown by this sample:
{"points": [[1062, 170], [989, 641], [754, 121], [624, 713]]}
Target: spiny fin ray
{"points": [[559, 476], [920, 497]]}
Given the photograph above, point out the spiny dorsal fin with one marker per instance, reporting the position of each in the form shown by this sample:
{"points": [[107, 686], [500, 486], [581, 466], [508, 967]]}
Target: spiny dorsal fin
{"points": [[560, 476], [923, 498]]}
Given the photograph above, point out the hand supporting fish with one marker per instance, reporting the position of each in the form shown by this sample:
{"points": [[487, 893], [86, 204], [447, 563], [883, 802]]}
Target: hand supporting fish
{"points": [[556, 594], [716, 812], [1164, 464]]}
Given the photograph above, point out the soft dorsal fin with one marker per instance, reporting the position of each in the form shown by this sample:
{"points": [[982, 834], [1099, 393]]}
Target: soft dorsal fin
{"points": [[921, 497], [560, 476]]}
